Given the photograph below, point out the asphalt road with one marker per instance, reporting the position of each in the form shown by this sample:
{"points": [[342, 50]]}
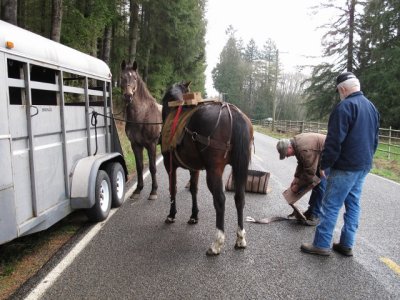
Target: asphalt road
{"points": [[135, 255]]}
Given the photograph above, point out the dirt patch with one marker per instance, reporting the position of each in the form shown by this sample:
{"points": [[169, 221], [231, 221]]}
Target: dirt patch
{"points": [[22, 258]]}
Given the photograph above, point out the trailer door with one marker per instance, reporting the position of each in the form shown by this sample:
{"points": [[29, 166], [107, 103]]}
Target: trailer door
{"points": [[8, 223], [37, 148]]}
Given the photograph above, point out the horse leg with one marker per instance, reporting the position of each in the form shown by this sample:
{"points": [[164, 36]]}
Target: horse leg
{"points": [[241, 233], [214, 183], [194, 180], [151, 151], [138, 152], [172, 190]]}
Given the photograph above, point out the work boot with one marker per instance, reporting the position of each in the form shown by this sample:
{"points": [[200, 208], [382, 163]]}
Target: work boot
{"points": [[342, 250], [307, 213], [312, 220], [310, 249]]}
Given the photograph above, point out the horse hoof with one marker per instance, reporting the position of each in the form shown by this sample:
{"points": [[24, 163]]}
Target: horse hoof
{"points": [[134, 196], [152, 197], [193, 221], [170, 220], [240, 247], [210, 252]]}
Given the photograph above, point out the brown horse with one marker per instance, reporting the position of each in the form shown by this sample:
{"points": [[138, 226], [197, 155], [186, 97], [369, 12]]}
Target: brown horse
{"points": [[215, 135], [143, 123]]}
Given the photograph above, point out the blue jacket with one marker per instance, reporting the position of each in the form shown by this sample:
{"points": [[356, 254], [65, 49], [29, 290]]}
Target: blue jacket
{"points": [[352, 137]]}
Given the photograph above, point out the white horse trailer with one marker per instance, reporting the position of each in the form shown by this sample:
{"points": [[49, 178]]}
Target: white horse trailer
{"points": [[59, 150]]}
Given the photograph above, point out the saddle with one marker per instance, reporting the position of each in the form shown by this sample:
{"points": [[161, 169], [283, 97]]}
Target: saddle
{"points": [[175, 128], [170, 140]]}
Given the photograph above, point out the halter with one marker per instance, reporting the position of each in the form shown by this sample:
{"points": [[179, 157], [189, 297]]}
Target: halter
{"points": [[129, 87]]}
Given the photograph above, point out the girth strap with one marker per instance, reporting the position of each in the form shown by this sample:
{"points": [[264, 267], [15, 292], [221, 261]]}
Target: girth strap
{"points": [[213, 143]]}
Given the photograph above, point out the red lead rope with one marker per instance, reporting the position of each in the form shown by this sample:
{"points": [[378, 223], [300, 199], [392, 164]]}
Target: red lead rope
{"points": [[175, 122], [173, 129]]}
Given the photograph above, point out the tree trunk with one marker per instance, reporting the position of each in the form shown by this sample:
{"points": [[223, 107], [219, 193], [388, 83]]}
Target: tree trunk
{"points": [[43, 28], [133, 29], [9, 11], [107, 44], [22, 13], [350, 45], [56, 20], [146, 65]]}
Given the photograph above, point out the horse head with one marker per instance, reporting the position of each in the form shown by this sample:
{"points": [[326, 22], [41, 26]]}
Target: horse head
{"points": [[175, 92], [129, 80]]}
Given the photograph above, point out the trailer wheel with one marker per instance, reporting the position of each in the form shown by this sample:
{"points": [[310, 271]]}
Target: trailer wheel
{"points": [[117, 178], [102, 205]]}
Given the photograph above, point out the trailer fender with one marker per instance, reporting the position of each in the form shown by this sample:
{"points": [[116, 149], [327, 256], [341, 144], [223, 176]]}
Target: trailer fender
{"points": [[84, 178]]}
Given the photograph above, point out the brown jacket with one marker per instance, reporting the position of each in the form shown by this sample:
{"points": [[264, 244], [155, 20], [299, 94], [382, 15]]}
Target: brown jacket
{"points": [[307, 149]]}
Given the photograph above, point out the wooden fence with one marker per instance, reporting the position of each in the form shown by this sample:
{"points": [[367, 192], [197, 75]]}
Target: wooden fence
{"points": [[389, 139]]}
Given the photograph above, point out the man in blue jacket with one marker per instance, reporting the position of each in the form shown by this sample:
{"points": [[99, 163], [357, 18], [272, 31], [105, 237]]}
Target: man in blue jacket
{"points": [[350, 145]]}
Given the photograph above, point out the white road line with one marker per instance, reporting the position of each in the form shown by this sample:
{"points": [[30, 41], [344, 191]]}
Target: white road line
{"points": [[383, 178], [49, 280], [259, 158]]}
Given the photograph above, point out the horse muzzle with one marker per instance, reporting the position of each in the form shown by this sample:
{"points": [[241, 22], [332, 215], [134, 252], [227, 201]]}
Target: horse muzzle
{"points": [[128, 98]]}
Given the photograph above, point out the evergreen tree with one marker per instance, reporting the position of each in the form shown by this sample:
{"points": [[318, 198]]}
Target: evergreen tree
{"points": [[341, 45], [228, 74], [380, 58], [250, 58]]}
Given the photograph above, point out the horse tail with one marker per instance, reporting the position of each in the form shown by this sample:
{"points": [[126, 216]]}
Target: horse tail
{"points": [[242, 136]]}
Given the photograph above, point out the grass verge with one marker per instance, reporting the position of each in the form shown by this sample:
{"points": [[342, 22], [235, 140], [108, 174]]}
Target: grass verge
{"points": [[383, 166]]}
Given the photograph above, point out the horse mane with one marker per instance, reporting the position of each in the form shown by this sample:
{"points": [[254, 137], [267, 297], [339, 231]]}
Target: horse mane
{"points": [[175, 92], [142, 91]]}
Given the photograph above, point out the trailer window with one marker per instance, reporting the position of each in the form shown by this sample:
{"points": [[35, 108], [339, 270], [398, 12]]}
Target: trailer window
{"points": [[74, 86], [42, 81], [75, 90], [42, 95], [15, 71]]}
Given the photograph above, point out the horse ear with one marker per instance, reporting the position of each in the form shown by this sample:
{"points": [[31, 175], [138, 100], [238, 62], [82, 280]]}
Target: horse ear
{"points": [[186, 84], [134, 66], [123, 65]]}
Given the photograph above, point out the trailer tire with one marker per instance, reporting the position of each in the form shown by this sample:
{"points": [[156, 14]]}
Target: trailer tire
{"points": [[102, 205], [117, 177]]}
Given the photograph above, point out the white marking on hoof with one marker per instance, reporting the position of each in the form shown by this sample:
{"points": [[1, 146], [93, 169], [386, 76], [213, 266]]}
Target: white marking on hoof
{"points": [[170, 220], [216, 247], [241, 239], [193, 221], [153, 197]]}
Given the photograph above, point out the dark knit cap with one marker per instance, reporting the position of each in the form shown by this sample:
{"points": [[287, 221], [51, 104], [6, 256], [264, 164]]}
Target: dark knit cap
{"points": [[344, 76]]}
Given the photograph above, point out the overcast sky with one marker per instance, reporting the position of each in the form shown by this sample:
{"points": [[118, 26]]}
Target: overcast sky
{"points": [[289, 23]]}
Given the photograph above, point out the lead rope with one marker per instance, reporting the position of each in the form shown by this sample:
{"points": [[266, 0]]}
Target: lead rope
{"points": [[93, 121]]}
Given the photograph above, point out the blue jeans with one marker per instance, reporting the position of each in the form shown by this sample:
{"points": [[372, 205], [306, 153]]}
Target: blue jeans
{"points": [[317, 193], [343, 187]]}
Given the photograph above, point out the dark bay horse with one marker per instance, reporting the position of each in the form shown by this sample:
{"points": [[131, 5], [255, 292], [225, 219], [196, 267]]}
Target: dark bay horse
{"points": [[143, 123], [215, 135]]}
